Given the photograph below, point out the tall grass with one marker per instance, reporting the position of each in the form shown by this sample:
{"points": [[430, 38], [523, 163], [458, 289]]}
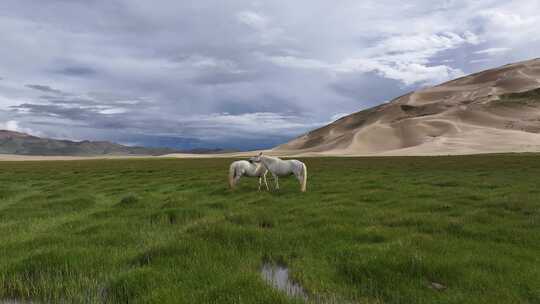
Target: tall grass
{"points": [[462, 229]]}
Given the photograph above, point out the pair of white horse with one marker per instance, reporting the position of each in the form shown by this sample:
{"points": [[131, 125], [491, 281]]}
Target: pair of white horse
{"points": [[260, 165]]}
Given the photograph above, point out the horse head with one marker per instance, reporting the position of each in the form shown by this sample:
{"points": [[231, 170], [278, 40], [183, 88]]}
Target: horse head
{"points": [[256, 159]]}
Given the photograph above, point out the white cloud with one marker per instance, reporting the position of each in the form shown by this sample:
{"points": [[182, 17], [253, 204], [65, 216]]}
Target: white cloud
{"points": [[266, 32], [513, 25], [13, 125], [411, 73], [296, 62], [269, 123], [509, 20], [111, 111], [212, 63], [10, 125], [492, 51], [337, 116], [428, 44], [253, 19], [407, 72], [480, 60], [402, 58]]}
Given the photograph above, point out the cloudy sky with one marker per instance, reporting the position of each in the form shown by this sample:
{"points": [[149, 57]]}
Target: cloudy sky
{"points": [[236, 74]]}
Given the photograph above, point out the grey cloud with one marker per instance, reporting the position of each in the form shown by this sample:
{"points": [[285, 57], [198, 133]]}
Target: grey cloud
{"points": [[369, 88], [77, 71], [223, 78], [67, 100], [54, 111], [43, 88], [266, 103], [86, 101]]}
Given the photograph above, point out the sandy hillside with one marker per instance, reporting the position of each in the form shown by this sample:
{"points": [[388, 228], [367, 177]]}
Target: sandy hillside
{"points": [[496, 110]]}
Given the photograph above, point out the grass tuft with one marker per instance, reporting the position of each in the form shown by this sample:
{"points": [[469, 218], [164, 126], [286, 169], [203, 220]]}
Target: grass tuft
{"points": [[129, 200]]}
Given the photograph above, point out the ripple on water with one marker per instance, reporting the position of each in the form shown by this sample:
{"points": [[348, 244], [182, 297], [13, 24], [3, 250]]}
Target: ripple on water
{"points": [[278, 277]]}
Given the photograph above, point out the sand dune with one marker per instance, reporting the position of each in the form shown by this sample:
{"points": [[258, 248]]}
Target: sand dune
{"points": [[492, 111]]}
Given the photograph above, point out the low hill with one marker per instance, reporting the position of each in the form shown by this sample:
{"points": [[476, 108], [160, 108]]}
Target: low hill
{"points": [[24, 144]]}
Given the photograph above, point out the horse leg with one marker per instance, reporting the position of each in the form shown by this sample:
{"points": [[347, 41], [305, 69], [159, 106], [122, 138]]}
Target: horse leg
{"points": [[264, 177], [237, 178], [277, 181], [298, 176], [260, 183]]}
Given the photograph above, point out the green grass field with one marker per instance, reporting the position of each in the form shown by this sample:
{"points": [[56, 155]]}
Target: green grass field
{"points": [[369, 230]]}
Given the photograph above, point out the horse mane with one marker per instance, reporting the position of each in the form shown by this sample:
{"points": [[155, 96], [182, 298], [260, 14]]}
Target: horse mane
{"points": [[272, 158]]}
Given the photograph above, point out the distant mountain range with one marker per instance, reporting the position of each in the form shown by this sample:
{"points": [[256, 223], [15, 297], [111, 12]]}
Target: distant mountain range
{"points": [[24, 144], [492, 111]]}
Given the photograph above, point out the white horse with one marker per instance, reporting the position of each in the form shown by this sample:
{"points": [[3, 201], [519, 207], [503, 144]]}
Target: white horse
{"points": [[279, 167], [247, 168]]}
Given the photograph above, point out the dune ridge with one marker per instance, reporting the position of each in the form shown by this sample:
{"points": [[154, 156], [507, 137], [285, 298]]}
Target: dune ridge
{"points": [[493, 111]]}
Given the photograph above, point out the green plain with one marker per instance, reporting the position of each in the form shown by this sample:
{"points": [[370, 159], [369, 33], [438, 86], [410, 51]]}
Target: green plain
{"points": [[369, 230]]}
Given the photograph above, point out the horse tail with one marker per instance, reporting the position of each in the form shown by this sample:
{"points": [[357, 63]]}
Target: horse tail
{"points": [[232, 171], [304, 177]]}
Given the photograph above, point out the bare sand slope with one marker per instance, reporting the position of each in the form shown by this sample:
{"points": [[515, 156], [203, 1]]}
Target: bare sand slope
{"points": [[492, 111]]}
